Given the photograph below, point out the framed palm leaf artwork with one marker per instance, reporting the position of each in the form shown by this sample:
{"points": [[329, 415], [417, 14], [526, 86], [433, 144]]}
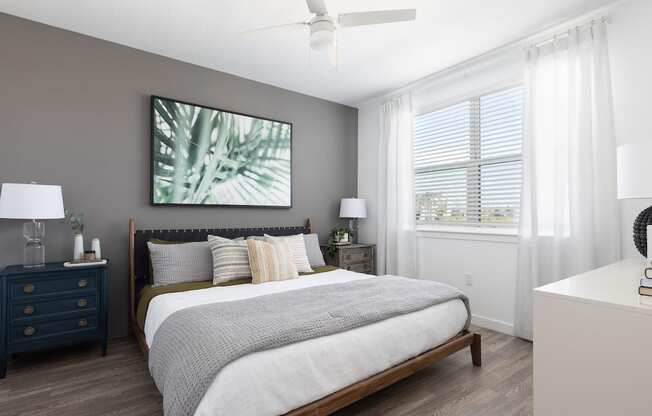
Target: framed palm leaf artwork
{"points": [[206, 156]]}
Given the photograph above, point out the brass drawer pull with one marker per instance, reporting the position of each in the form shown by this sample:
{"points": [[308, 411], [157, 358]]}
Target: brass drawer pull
{"points": [[366, 254], [82, 303], [28, 288], [82, 283], [29, 331], [82, 323], [28, 310]]}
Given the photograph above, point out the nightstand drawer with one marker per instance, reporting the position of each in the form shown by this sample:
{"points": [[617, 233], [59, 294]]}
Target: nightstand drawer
{"points": [[359, 267], [25, 332], [355, 255], [47, 307], [25, 288]]}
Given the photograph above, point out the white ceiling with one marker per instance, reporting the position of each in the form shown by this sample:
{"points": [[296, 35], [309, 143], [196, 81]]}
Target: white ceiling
{"points": [[373, 59]]}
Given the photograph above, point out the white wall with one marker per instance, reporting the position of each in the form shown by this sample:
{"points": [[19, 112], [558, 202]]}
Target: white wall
{"points": [[630, 50], [368, 131], [491, 259], [481, 265]]}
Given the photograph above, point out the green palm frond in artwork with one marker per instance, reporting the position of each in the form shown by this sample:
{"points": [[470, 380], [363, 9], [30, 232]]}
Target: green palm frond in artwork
{"points": [[206, 156]]}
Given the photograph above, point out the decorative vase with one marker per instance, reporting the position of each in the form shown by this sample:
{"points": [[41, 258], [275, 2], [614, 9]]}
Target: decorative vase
{"points": [[78, 249], [640, 230], [95, 246]]}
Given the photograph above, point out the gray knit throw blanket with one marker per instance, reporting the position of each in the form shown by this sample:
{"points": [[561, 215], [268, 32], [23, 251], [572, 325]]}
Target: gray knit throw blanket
{"points": [[192, 345]]}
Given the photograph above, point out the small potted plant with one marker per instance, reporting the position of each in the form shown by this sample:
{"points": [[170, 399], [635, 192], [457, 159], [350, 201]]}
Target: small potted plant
{"points": [[342, 235], [77, 223], [338, 237]]}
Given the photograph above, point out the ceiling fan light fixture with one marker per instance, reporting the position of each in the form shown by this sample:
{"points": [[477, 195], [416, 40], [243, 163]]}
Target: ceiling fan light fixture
{"points": [[322, 40], [322, 33], [324, 27]]}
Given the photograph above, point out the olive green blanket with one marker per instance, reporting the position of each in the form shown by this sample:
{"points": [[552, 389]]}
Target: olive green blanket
{"points": [[149, 292]]}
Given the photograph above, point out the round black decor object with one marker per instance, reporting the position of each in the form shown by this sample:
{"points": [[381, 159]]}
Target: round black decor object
{"points": [[640, 230]]}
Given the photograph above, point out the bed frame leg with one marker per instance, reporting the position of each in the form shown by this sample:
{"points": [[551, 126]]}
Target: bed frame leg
{"points": [[476, 350]]}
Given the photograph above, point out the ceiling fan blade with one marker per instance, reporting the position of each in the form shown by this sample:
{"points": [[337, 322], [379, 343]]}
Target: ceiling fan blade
{"points": [[377, 17], [317, 6], [274, 27]]}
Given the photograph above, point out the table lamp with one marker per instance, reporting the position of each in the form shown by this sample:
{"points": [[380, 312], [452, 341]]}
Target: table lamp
{"points": [[353, 208], [31, 201], [634, 182]]}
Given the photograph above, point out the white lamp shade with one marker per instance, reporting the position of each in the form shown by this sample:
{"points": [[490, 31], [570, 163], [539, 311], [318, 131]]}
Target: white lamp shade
{"points": [[353, 208], [28, 201], [635, 170]]}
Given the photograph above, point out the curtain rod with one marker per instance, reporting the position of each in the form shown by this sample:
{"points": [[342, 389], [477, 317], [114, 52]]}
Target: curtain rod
{"points": [[524, 41], [563, 34]]}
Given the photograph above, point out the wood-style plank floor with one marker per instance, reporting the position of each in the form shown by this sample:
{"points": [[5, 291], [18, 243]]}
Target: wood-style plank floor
{"points": [[77, 381]]}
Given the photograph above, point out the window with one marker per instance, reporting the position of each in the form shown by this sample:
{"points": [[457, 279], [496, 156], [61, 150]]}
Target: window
{"points": [[467, 161]]}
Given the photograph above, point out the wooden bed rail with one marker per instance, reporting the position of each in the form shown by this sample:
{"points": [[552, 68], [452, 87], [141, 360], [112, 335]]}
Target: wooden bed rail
{"points": [[353, 393]]}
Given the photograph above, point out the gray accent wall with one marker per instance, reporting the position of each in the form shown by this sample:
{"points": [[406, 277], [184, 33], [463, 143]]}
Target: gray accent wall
{"points": [[75, 111]]}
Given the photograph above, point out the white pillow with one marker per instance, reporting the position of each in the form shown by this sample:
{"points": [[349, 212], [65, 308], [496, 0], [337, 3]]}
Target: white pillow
{"points": [[298, 249], [315, 255]]}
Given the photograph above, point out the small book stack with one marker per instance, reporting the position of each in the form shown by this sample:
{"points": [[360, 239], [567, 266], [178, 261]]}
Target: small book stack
{"points": [[645, 288]]}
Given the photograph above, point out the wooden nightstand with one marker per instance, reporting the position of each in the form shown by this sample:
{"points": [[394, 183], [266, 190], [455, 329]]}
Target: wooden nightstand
{"points": [[50, 306], [355, 257]]}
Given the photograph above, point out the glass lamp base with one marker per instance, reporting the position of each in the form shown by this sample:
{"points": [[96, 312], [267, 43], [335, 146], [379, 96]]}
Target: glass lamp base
{"points": [[353, 227], [34, 251]]}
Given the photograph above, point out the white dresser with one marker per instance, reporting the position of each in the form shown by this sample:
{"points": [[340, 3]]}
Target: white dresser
{"points": [[593, 344]]}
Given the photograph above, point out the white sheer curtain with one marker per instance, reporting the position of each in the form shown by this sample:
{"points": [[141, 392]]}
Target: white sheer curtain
{"points": [[396, 245], [569, 218]]}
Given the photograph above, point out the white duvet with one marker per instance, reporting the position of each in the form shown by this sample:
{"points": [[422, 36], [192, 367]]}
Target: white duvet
{"points": [[276, 381]]}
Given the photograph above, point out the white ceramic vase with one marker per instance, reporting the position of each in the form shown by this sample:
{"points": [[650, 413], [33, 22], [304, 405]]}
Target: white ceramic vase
{"points": [[78, 247], [95, 246]]}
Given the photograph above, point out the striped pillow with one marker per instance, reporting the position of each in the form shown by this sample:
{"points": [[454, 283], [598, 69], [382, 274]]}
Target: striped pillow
{"points": [[297, 246], [230, 259], [270, 261]]}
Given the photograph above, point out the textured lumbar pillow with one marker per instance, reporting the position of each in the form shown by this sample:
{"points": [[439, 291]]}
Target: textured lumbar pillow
{"points": [[230, 259], [176, 263], [297, 249], [315, 256], [270, 261]]}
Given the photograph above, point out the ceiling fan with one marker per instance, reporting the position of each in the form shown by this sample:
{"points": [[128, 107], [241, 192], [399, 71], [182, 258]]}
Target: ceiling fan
{"points": [[323, 27]]}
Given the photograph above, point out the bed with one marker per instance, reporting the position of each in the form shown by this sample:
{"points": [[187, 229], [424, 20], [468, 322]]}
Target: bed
{"points": [[315, 376]]}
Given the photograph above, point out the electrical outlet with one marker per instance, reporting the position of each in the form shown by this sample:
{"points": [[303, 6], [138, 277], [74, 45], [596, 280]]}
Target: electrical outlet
{"points": [[468, 279]]}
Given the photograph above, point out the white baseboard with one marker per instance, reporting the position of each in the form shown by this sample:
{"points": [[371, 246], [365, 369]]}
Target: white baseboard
{"points": [[493, 324]]}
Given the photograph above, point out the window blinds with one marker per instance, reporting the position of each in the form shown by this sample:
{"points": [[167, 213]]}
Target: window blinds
{"points": [[467, 161], [442, 136]]}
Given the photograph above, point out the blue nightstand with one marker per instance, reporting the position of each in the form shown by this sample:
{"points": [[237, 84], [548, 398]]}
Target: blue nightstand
{"points": [[50, 306]]}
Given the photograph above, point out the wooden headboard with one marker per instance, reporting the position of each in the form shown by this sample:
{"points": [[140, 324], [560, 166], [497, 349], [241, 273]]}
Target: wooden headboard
{"points": [[139, 256]]}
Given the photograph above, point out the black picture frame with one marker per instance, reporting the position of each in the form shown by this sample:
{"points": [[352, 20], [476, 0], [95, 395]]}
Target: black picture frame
{"points": [[152, 160]]}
